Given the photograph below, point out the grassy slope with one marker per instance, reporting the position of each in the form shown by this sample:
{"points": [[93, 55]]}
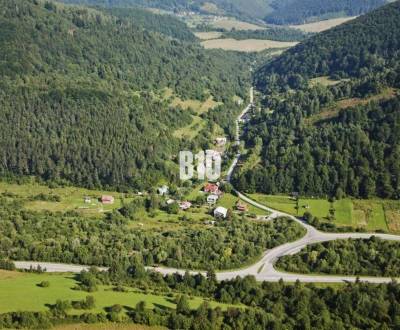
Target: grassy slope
{"points": [[27, 296], [369, 214]]}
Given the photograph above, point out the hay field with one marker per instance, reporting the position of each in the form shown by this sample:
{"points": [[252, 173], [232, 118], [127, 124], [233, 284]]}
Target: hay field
{"points": [[249, 45], [322, 25]]}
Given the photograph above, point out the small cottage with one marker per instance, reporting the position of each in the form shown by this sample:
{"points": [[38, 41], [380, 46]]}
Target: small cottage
{"points": [[212, 199], [163, 190], [105, 199], [220, 212]]}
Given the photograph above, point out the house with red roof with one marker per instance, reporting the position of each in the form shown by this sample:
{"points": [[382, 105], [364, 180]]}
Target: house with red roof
{"points": [[211, 188], [105, 199]]}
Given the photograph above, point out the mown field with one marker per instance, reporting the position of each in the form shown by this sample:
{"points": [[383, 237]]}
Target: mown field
{"points": [[249, 45], [20, 292], [322, 25], [229, 24], [371, 215], [71, 198]]}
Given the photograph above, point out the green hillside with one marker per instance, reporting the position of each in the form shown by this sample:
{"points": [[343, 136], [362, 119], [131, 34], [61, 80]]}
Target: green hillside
{"points": [[302, 11], [77, 89], [336, 134], [272, 11]]}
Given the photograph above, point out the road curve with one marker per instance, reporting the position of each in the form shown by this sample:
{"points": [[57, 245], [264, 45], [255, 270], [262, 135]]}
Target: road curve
{"points": [[264, 269]]}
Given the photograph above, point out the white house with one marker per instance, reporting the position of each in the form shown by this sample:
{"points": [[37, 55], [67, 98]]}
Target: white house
{"points": [[163, 190], [212, 199], [221, 212]]}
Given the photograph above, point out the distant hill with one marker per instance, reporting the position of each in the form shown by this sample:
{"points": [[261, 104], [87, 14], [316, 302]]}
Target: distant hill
{"points": [[78, 92], [346, 50], [330, 124], [282, 12], [303, 11]]}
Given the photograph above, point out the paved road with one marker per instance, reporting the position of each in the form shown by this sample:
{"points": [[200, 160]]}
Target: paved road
{"points": [[264, 269]]}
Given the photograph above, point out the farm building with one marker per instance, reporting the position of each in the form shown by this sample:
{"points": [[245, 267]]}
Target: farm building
{"points": [[211, 188], [212, 199], [163, 190], [220, 212], [105, 199], [241, 207], [185, 205]]}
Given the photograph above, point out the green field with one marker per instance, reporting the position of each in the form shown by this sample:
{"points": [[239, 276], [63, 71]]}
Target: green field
{"points": [[229, 201], [72, 198], [20, 292], [369, 214]]}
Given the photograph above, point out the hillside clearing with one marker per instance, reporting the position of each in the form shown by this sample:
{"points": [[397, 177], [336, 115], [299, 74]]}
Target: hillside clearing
{"points": [[71, 198], [372, 214], [333, 111], [208, 35], [322, 25], [249, 45], [35, 298], [229, 24]]}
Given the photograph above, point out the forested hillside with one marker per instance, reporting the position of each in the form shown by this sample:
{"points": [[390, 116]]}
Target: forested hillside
{"points": [[302, 11], [340, 138], [280, 12], [164, 24], [76, 97], [242, 8]]}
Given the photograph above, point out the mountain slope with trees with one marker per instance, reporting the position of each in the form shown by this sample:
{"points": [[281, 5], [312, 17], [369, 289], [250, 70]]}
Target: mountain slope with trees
{"points": [[77, 89], [353, 148], [272, 11], [302, 11]]}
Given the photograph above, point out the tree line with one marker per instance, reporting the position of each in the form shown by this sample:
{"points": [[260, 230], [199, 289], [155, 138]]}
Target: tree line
{"points": [[371, 257], [265, 305], [71, 238]]}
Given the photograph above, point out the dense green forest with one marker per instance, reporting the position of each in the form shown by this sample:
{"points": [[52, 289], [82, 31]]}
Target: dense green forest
{"points": [[77, 100], [71, 238], [267, 305], [374, 257], [302, 11], [312, 144], [247, 9], [368, 43], [165, 24]]}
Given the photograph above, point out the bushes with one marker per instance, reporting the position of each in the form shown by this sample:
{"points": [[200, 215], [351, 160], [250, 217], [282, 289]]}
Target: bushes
{"points": [[373, 257], [44, 284], [7, 265], [110, 241]]}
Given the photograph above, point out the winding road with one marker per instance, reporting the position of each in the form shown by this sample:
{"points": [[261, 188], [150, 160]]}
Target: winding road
{"points": [[264, 269]]}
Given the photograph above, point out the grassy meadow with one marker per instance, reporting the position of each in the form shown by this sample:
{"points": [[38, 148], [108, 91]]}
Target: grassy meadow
{"points": [[322, 25], [20, 292], [71, 198], [371, 215], [248, 45]]}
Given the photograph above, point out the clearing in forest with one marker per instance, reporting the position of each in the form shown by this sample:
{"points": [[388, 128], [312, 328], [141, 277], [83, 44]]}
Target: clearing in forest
{"points": [[248, 45], [322, 25]]}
